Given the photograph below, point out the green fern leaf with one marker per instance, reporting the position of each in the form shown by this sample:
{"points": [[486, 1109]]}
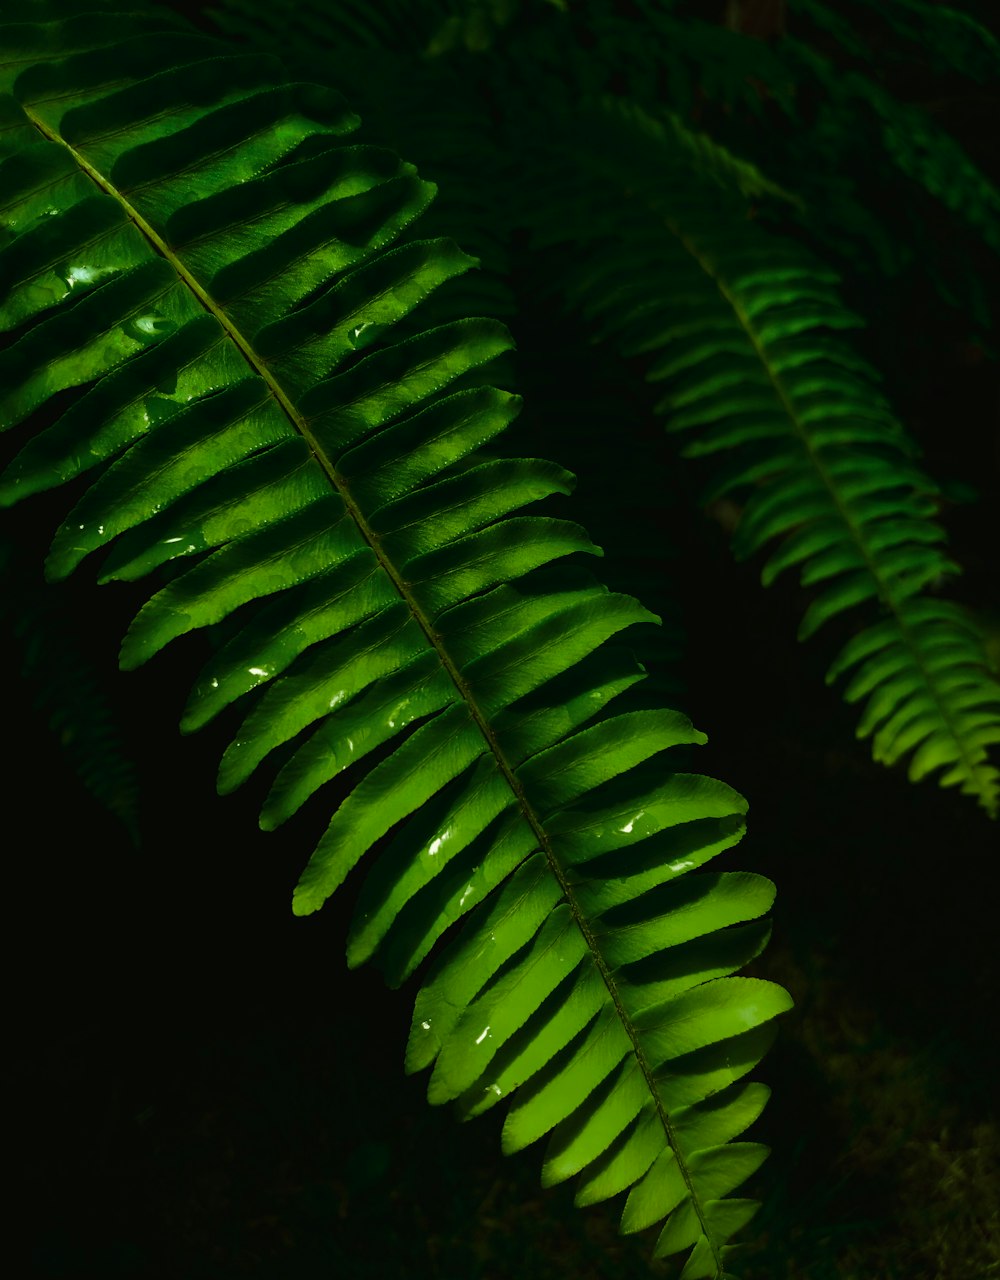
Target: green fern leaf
{"points": [[203, 282], [68, 691], [741, 327], [952, 39], [911, 140]]}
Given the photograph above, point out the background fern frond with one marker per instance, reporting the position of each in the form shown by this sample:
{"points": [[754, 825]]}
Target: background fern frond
{"points": [[741, 329], [946, 34], [69, 690]]}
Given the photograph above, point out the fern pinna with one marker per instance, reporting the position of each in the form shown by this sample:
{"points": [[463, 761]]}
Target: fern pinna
{"points": [[202, 282]]}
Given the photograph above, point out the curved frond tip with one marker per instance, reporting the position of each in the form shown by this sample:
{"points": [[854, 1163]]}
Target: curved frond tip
{"points": [[202, 279]]}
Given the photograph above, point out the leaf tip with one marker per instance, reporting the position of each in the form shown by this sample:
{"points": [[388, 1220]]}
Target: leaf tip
{"points": [[130, 655], [57, 568], [304, 902]]}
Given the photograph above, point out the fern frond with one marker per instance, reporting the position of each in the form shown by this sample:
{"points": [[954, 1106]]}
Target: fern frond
{"points": [[204, 283], [742, 329], [697, 60], [67, 688], [950, 38], [859, 159], [912, 141]]}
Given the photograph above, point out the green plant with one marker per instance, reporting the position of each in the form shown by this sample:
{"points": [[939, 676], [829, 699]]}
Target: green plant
{"points": [[215, 299], [197, 260], [69, 691]]}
